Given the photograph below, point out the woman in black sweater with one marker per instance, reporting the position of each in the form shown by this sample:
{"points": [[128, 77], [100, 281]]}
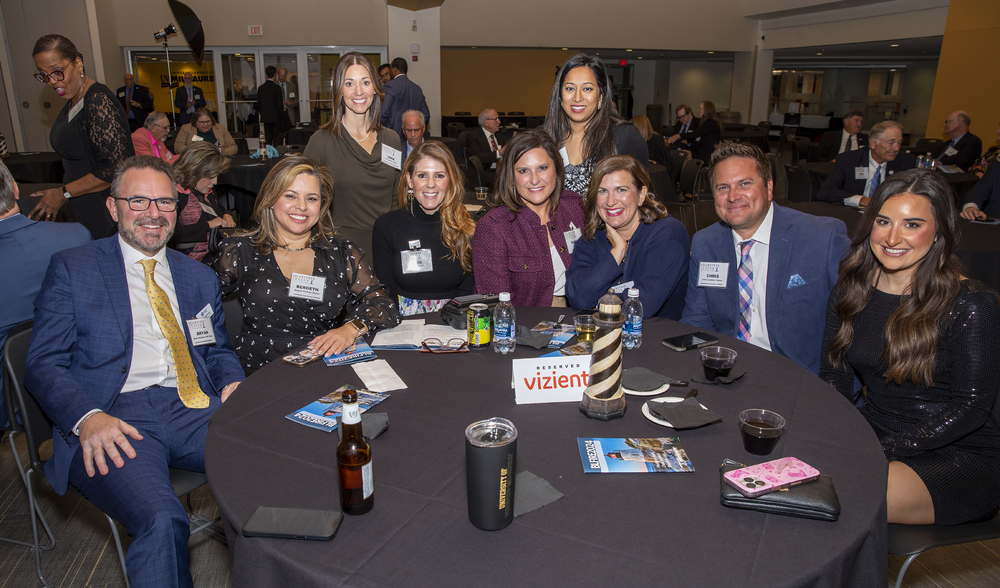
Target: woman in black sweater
{"points": [[423, 250]]}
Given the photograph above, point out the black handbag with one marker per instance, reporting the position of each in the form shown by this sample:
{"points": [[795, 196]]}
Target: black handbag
{"points": [[814, 500], [455, 312]]}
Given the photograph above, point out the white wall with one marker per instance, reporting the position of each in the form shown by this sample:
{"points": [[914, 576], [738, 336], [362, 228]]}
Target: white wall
{"points": [[694, 82], [426, 71]]}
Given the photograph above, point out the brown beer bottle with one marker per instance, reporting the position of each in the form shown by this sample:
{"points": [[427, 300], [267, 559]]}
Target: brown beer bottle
{"points": [[354, 460]]}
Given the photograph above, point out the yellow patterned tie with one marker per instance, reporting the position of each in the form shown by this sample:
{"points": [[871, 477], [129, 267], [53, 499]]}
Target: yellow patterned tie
{"points": [[187, 379]]}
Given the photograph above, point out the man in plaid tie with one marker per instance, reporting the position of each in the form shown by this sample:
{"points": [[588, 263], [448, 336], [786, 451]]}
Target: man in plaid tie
{"points": [[487, 144], [763, 273], [129, 358]]}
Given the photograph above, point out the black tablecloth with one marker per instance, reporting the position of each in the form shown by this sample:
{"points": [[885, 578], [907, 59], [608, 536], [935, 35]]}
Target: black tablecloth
{"points": [[300, 135], [979, 247], [243, 181], [608, 530], [36, 167]]}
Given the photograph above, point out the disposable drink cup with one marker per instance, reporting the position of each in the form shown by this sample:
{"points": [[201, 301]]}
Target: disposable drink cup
{"points": [[761, 430], [490, 459], [717, 362]]}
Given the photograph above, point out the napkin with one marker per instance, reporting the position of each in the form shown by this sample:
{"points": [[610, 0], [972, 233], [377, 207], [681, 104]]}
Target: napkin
{"points": [[641, 379], [533, 339], [373, 424], [687, 414], [532, 493], [720, 381]]}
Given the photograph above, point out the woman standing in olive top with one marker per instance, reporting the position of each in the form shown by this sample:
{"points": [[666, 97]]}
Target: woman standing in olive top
{"points": [[90, 133], [353, 146]]}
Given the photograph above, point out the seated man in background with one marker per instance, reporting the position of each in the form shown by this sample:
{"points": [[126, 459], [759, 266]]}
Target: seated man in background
{"points": [[964, 148], [858, 173], [25, 249], [983, 200], [763, 273], [850, 138], [413, 130], [488, 145], [686, 122], [129, 357]]}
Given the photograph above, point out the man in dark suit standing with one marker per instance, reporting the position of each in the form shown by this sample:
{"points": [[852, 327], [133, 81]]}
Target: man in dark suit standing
{"points": [[188, 99], [488, 145], [401, 95], [270, 106], [858, 173], [964, 148], [686, 122], [763, 273], [129, 357], [25, 249], [833, 143], [136, 101]]}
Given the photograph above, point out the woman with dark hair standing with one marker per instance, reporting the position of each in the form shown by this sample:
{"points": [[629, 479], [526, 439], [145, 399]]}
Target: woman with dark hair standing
{"points": [[630, 241], [423, 251], [351, 144], [524, 245], [583, 121], [90, 133], [708, 133], [923, 340], [198, 210]]}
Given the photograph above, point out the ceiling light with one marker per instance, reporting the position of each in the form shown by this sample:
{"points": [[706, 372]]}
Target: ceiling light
{"points": [[628, 50], [894, 45], [711, 52], [819, 54], [565, 48]]}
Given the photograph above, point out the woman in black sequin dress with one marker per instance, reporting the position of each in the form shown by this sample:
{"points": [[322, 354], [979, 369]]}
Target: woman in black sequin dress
{"points": [[297, 283], [923, 341]]}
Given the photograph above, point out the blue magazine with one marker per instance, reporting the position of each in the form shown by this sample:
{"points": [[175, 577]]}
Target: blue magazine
{"points": [[631, 455], [323, 413], [560, 333], [360, 352]]}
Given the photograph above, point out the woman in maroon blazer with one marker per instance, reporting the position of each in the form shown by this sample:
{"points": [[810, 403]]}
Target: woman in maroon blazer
{"points": [[524, 245]]}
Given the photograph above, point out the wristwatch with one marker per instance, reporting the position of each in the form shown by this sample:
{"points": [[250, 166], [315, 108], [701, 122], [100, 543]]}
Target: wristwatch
{"points": [[66, 193], [359, 325]]}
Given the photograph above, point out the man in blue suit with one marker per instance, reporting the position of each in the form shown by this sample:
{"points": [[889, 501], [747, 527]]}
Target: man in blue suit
{"points": [[129, 358], [763, 273], [25, 249], [858, 173], [401, 95], [983, 199]]}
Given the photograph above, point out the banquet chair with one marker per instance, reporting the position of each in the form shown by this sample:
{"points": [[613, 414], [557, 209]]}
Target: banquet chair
{"points": [[912, 540], [233, 310], [927, 144], [799, 184], [462, 138], [779, 189], [677, 159], [37, 429], [476, 172], [689, 185]]}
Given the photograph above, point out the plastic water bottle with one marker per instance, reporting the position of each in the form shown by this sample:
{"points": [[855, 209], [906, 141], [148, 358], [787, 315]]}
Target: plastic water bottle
{"points": [[504, 325], [632, 329]]}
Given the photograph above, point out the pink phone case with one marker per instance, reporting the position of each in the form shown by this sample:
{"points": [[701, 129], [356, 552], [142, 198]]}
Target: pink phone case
{"points": [[753, 481]]}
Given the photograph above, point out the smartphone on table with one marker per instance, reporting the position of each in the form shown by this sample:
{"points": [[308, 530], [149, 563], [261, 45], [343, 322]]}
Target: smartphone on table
{"points": [[293, 523], [690, 341]]}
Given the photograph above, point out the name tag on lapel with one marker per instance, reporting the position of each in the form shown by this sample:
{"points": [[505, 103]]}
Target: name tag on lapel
{"points": [[201, 332], [713, 274], [861, 173]]}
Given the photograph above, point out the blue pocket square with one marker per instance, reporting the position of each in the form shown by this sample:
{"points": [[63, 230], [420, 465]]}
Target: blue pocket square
{"points": [[795, 281]]}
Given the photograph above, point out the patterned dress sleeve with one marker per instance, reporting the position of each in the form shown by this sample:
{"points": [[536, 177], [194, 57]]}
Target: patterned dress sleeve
{"points": [[106, 133], [228, 265], [368, 300]]}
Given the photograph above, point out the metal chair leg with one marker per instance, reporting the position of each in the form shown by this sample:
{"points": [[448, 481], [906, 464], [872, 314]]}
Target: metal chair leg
{"points": [[33, 507], [41, 517], [118, 544], [902, 570]]}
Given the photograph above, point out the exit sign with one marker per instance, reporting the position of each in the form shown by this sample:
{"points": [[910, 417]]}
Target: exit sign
{"points": [[256, 30], [622, 62]]}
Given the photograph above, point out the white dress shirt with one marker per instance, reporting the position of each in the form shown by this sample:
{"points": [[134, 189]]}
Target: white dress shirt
{"points": [[758, 258], [872, 167], [489, 137], [848, 142]]}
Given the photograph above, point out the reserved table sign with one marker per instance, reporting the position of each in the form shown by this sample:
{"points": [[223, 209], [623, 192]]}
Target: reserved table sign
{"points": [[550, 379]]}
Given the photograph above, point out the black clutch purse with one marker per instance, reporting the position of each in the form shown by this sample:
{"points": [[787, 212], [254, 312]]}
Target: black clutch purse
{"points": [[814, 500]]}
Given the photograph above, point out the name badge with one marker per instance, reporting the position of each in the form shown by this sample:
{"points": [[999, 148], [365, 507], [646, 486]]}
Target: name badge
{"points": [[196, 138], [713, 274], [623, 287], [121, 94], [307, 287], [205, 312], [571, 236], [861, 173], [949, 152], [197, 96], [291, 95], [392, 156], [417, 261], [565, 156], [201, 332]]}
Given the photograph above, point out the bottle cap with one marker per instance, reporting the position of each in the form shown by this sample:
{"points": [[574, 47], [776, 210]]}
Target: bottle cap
{"points": [[505, 297], [633, 292]]}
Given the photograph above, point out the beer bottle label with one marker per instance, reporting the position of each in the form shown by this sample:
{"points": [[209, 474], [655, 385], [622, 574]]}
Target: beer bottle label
{"points": [[352, 414], [367, 485]]}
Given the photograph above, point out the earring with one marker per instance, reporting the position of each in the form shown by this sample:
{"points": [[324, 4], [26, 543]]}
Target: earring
{"points": [[409, 194]]}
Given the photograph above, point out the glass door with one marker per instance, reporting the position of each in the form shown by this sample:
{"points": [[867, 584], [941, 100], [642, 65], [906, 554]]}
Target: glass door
{"points": [[239, 94]]}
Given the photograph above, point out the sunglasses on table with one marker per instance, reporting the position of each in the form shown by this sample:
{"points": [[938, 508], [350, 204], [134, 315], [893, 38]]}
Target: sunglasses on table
{"points": [[435, 345]]}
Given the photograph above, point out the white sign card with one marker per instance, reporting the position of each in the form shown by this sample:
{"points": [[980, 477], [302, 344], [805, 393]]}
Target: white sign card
{"points": [[550, 379], [392, 156]]}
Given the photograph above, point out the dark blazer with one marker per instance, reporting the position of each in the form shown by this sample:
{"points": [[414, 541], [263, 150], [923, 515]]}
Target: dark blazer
{"points": [[25, 249], [476, 144], [81, 344], [969, 148], [141, 95], [802, 267], [695, 121], [181, 100], [707, 134], [270, 103], [841, 183], [401, 94], [829, 144], [986, 193]]}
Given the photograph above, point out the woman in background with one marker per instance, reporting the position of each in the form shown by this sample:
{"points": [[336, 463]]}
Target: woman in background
{"points": [[423, 251], [196, 172], [203, 129], [584, 123], [524, 245], [923, 341], [654, 142]]}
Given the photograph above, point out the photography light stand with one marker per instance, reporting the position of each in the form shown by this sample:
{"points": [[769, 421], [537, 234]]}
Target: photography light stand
{"points": [[161, 35]]}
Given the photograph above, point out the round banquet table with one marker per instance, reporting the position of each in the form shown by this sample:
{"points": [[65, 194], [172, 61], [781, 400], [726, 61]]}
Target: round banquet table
{"points": [[243, 180], [39, 167], [608, 529]]}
